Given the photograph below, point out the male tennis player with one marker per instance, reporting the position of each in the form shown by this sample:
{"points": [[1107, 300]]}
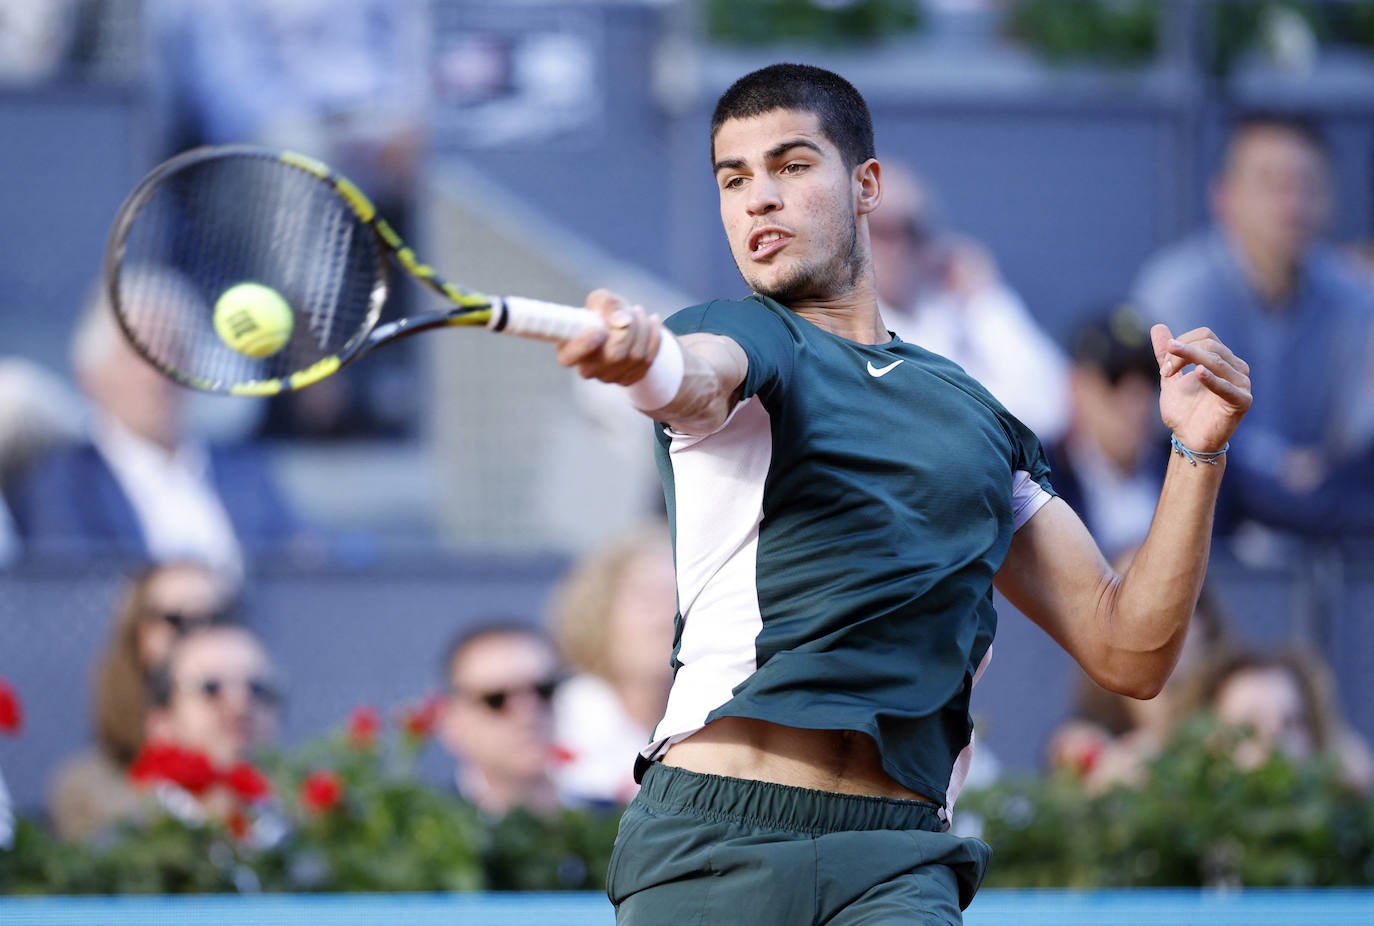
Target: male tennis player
{"points": [[843, 504]]}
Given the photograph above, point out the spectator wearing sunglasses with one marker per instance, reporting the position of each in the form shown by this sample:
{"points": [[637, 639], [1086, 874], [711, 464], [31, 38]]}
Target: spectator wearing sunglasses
{"points": [[158, 604], [497, 721], [217, 694]]}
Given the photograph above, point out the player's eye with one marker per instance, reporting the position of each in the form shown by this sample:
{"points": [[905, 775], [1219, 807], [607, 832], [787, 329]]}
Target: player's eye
{"points": [[796, 167], [732, 183]]}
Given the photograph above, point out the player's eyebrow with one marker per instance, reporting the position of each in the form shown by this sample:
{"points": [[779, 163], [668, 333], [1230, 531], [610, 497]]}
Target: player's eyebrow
{"points": [[779, 150], [772, 154]]}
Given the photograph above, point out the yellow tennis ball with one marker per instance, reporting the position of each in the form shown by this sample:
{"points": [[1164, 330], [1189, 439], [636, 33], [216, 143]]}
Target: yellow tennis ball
{"points": [[253, 319]]}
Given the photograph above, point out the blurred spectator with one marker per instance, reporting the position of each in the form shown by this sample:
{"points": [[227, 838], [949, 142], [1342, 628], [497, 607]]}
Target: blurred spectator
{"points": [[158, 605], [1361, 257], [498, 719], [346, 82], [37, 412], [1285, 701], [139, 486], [612, 620], [217, 694], [1110, 465], [35, 38], [1278, 297], [1110, 738], [942, 292]]}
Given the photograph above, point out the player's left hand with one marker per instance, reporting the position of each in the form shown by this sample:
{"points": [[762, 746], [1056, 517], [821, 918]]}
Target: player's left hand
{"points": [[1204, 405]]}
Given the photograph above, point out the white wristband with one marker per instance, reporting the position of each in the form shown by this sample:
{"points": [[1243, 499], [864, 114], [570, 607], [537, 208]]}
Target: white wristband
{"points": [[660, 385]]}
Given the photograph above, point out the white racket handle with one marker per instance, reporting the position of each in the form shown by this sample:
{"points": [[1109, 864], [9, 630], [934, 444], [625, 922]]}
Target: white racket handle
{"points": [[544, 321], [549, 321]]}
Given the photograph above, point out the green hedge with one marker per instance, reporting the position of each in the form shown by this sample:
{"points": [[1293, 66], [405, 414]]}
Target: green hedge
{"points": [[346, 813], [1197, 819]]}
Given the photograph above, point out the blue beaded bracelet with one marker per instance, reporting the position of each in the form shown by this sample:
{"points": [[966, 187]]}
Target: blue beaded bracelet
{"points": [[1193, 456]]}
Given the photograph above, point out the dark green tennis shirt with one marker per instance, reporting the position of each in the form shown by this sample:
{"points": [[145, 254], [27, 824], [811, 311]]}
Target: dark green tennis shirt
{"points": [[837, 538]]}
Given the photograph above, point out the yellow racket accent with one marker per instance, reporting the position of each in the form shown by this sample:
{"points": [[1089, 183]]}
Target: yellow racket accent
{"points": [[258, 387], [407, 258], [315, 372], [307, 164], [360, 203], [388, 234], [470, 319]]}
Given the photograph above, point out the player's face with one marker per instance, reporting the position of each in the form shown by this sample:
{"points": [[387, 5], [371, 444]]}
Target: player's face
{"points": [[788, 205]]}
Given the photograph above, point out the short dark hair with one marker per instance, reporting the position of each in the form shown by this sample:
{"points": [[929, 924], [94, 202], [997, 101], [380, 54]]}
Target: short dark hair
{"points": [[161, 680], [1299, 126], [497, 626], [1115, 341], [840, 109]]}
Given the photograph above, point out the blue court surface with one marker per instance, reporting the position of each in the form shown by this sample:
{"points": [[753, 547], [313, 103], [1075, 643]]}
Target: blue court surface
{"points": [[1022, 908]]}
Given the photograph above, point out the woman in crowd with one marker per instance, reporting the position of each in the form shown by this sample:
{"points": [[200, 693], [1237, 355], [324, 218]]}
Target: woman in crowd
{"points": [[612, 619], [158, 605]]}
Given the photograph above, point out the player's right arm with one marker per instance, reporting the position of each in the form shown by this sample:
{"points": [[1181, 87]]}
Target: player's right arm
{"points": [[713, 366]]}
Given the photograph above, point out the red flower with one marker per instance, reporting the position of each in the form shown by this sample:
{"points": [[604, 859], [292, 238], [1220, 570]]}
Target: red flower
{"points": [[246, 782], [186, 768], [419, 722], [321, 791], [363, 725], [237, 822], [11, 713]]}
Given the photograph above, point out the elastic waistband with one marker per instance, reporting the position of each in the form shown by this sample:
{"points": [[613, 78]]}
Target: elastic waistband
{"points": [[667, 788]]}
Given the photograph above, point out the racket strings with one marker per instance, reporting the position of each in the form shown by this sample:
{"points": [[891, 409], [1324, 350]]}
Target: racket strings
{"points": [[231, 219]]}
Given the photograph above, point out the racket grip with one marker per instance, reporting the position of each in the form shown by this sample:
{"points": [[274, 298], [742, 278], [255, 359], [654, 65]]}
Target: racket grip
{"points": [[544, 321]]}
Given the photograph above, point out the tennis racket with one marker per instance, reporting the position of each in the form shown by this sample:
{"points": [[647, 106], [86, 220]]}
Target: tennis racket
{"points": [[215, 217]]}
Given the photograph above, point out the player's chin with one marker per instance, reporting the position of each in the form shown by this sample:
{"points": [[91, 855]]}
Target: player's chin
{"points": [[780, 287]]}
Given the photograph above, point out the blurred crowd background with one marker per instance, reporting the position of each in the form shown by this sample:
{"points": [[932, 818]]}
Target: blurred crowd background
{"points": [[458, 515]]}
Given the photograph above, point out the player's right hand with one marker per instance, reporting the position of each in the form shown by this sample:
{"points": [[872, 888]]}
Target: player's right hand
{"points": [[623, 350]]}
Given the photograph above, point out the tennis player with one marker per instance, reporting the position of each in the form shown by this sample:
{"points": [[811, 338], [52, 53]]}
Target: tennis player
{"points": [[843, 504]]}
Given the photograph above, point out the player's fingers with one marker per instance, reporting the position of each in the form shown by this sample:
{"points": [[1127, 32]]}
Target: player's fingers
{"points": [[623, 325], [578, 349], [1235, 392], [641, 346], [1160, 336], [1203, 348], [612, 309], [645, 336], [1205, 339]]}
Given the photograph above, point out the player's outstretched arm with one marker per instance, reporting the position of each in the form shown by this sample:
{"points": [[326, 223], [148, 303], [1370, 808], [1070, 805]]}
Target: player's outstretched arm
{"points": [[691, 383], [1126, 630]]}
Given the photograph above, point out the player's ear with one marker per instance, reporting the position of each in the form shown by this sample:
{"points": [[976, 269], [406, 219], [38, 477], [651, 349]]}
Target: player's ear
{"points": [[868, 186]]}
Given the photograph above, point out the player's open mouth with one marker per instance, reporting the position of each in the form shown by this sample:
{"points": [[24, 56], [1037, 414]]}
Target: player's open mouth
{"points": [[767, 241]]}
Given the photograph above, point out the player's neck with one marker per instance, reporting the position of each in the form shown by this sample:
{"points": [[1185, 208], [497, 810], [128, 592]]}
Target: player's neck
{"points": [[852, 315]]}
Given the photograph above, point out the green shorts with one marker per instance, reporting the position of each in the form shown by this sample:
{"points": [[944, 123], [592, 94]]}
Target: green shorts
{"points": [[706, 849]]}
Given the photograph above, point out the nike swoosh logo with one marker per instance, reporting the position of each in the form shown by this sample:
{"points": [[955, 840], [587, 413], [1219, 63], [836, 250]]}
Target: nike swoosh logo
{"points": [[877, 372]]}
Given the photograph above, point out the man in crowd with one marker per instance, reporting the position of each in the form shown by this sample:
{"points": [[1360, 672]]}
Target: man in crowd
{"points": [[140, 486], [1261, 279], [498, 719]]}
